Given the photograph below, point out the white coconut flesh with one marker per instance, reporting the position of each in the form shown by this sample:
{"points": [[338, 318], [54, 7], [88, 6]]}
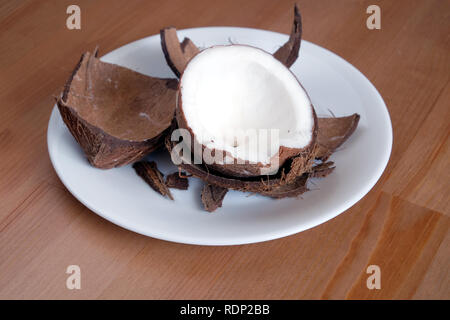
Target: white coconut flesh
{"points": [[230, 92]]}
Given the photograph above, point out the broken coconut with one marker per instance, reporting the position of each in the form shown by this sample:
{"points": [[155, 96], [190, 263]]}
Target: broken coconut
{"points": [[232, 98], [291, 178], [116, 115]]}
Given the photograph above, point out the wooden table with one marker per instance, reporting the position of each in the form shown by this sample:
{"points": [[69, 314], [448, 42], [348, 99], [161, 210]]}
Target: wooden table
{"points": [[402, 225]]}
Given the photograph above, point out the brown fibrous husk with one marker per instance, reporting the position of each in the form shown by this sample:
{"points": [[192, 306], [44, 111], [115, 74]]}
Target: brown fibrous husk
{"points": [[115, 114], [154, 178], [288, 190]]}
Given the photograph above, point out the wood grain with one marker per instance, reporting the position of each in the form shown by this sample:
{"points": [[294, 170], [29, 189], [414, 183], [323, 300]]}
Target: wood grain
{"points": [[402, 225]]}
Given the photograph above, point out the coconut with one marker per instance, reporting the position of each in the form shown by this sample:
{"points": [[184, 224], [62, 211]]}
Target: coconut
{"points": [[232, 99], [295, 167], [116, 115]]}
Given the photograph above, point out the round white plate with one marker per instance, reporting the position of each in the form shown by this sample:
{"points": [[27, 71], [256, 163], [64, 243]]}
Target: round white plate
{"points": [[123, 198]]}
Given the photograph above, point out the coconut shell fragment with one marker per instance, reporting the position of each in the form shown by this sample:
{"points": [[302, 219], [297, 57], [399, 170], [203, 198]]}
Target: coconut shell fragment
{"points": [[177, 55], [154, 178], [115, 114], [333, 132], [212, 197], [177, 180], [322, 170], [288, 53]]}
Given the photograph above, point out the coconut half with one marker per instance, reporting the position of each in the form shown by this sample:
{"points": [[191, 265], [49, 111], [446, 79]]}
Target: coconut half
{"points": [[246, 109], [117, 115]]}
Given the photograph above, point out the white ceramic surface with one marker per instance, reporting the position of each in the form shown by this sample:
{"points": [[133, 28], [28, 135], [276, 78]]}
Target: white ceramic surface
{"points": [[123, 198]]}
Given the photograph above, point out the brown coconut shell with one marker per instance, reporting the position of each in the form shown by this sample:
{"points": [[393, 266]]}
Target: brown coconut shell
{"points": [[177, 54], [149, 172], [288, 53], [115, 114], [333, 132], [212, 196]]}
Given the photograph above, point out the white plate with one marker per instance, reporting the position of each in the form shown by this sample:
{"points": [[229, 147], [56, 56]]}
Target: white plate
{"points": [[123, 198]]}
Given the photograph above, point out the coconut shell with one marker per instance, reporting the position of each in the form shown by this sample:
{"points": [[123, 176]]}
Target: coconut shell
{"points": [[212, 196], [177, 180], [177, 55], [333, 132], [293, 189], [116, 115], [288, 53], [322, 170], [154, 178]]}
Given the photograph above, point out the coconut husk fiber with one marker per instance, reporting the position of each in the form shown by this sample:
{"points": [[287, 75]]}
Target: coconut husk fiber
{"points": [[115, 114]]}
